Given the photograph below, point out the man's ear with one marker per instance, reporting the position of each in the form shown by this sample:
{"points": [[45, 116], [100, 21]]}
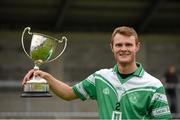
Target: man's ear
{"points": [[111, 46], [138, 46]]}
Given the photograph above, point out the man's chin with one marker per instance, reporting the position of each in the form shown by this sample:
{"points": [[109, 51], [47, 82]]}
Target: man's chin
{"points": [[125, 62]]}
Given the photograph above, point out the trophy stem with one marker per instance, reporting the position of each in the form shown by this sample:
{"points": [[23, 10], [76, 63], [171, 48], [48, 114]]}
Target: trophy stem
{"points": [[36, 67], [37, 63]]}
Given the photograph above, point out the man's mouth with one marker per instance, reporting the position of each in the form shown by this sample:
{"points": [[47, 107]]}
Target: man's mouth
{"points": [[124, 54]]}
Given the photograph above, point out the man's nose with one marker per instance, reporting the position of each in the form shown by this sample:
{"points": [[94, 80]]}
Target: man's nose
{"points": [[123, 48]]}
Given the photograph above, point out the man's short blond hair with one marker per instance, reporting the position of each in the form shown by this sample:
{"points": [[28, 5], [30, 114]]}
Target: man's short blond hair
{"points": [[126, 31]]}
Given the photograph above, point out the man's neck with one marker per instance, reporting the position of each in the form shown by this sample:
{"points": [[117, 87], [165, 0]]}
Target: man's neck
{"points": [[127, 68]]}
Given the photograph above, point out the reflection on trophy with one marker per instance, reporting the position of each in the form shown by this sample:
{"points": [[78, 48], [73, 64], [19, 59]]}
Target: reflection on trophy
{"points": [[42, 49]]}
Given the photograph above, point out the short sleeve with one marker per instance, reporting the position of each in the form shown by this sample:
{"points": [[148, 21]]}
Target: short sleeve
{"points": [[159, 105], [86, 89]]}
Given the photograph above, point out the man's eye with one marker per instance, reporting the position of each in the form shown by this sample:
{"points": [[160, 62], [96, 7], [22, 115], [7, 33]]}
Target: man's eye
{"points": [[118, 45], [128, 45]]}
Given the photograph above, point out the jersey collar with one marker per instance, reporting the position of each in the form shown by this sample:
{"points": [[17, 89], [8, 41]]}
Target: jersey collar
{"points": [[139, 72]]}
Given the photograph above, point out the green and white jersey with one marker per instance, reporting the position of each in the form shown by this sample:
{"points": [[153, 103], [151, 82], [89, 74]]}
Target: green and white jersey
{"points": [[139, 96]]}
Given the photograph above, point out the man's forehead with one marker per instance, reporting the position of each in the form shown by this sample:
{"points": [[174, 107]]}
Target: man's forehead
{"points": [[124, 37]]}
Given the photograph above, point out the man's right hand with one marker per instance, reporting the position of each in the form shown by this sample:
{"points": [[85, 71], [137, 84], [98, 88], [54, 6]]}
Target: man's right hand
{"points": [[28, 76]]}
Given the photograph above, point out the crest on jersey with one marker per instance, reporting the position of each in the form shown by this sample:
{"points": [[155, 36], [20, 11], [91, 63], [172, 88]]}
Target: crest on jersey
{"points": [[133, 98], [106, 91]]}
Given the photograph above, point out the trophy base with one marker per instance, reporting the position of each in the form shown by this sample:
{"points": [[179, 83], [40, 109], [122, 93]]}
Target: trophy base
{"points": [[36, 94], [37, 87]]}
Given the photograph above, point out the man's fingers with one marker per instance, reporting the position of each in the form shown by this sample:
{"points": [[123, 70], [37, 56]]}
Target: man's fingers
{"points": [[27, 76], [38, 73], [30, 74]]}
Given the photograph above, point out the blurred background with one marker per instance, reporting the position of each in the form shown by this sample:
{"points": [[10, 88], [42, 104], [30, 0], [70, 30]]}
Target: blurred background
{"points": [[88, 25]]}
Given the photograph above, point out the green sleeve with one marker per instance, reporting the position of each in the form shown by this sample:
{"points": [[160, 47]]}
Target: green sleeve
{"points": [[75, 90], [86, 89], [159, 105]]}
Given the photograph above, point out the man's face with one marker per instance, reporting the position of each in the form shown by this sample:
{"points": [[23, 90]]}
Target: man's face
{"points": [[124, 49]]}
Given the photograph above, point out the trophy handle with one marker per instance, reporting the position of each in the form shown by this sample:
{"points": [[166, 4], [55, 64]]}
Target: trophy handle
{"points": [[22, 40], [65, 45]]}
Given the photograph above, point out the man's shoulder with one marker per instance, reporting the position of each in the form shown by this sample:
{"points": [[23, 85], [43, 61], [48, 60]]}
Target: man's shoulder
{"points": [[104, 71], [152, 80]]}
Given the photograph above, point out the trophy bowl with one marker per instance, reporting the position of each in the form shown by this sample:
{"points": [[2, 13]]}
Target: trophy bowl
{"points": [[42, 48]]}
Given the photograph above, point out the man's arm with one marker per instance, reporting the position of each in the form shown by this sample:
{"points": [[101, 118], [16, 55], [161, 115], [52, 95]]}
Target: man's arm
{"points": [[61, 89], [159, 105]]}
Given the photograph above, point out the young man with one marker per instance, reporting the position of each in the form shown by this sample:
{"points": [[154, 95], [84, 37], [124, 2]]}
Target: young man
{"points": [[125, 91]]}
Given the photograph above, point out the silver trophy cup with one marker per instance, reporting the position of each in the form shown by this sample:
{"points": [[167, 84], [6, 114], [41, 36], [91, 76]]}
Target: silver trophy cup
{"points": [[42, 49]]}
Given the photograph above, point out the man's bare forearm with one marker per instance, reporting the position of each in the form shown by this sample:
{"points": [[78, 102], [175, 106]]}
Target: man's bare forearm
{"points": [[61, 89]]}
